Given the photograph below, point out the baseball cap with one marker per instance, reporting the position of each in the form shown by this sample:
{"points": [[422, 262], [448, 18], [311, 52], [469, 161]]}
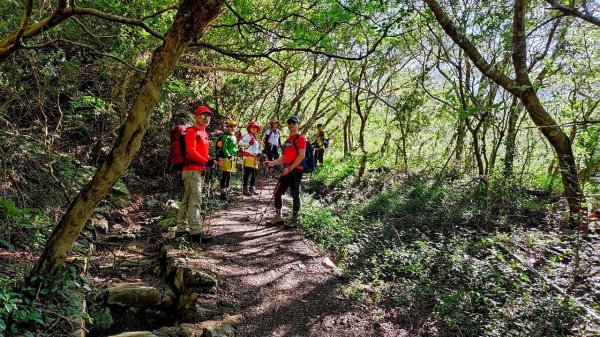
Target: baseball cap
{"points": [[293, 120], [202, 110]]}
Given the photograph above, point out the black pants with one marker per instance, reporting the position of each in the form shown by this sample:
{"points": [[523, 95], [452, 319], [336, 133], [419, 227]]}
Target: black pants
{"points": [[225, 179], [249, 174], [272, 151], [319, 155], [291, 180]]}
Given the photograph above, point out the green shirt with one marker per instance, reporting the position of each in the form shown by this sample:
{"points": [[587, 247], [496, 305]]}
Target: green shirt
{"points": [[229, 145]]}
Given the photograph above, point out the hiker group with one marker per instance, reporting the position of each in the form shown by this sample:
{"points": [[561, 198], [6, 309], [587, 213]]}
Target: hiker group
{"points": [[189, 153]]}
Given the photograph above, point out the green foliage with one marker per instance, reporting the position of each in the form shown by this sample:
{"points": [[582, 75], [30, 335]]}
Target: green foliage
{"points": [[416, 244], [101, 319], [22, 226], [26, 309], [337, 171], [325, 229]]}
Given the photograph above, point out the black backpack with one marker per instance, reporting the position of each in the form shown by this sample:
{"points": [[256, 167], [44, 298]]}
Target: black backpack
{"points": [[308, 163]]}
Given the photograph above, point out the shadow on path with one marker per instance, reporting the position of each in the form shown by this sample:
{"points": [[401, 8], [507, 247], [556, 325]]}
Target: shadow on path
{"points": [[276, 279]]}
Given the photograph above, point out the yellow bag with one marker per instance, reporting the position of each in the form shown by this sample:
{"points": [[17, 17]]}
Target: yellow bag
{"points": [[250, 161], [228, 165]]}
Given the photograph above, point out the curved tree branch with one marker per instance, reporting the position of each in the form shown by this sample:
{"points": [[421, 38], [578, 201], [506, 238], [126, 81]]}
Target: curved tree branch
{"points": [[224, 69], [63, 11], [14, 41], [462, 41], [269, 52], [583, 14]]}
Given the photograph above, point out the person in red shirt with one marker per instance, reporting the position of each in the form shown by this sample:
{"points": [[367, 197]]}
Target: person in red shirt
{"points": [[197, 142], [294, 151]]}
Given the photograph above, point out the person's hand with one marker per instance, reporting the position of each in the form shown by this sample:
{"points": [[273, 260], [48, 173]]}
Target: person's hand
{"points": [[268, 164], [286, 170], [210, 163], [219, 161], [252, 141], [231, 158]]}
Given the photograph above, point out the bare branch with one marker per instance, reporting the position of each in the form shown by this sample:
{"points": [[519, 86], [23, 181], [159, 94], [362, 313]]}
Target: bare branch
{"points": [[225, 69], [583, 14], [172, 8], [462, 41], [269, 52], [10, 43]]}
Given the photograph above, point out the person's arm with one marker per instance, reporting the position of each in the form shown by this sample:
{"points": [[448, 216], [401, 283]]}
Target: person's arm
{"points": [[275, 162], [245, 141]]}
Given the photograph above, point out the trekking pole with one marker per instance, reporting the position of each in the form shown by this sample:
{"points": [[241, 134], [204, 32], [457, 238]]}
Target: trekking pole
{"points": [[261, 179], [261, 158], [269, 203], [209, 201]]}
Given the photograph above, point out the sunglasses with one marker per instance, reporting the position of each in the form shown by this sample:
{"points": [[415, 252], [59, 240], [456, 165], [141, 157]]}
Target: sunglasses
{"points": [[204, 116]]}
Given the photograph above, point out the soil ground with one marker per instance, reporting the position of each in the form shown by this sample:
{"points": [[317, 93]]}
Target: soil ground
{"points": [[278, 281]]}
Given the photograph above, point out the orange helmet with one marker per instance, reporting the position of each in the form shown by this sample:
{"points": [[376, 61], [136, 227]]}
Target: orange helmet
{"points": [[253, 124]]}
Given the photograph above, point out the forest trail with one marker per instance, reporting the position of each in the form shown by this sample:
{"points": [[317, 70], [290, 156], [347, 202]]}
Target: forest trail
{"points": [[277, 280]]}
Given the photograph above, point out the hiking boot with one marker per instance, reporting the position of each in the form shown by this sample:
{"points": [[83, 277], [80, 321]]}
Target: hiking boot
{"points": [[292, 222], [253, 191], [246, 191], [223, 195], [182, 235], [276, 220], [201, 238]]}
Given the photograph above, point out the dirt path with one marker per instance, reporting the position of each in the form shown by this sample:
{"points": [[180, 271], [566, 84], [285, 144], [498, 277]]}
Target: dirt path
{"points": [[277, 280]]}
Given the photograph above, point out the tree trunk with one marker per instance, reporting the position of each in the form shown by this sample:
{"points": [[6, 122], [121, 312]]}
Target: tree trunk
{"points": [[460, 143], [511, 138], [524, 89], [346, 129], [191, 20], [280, 93], [477, 151], [404, 154], [386, 143]]}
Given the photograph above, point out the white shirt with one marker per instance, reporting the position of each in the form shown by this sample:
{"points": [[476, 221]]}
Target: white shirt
{"points": [[273, 136], [245, 143]]}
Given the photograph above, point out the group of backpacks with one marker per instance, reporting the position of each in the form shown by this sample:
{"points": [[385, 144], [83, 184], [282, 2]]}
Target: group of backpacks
{"points": [[177, 151]]}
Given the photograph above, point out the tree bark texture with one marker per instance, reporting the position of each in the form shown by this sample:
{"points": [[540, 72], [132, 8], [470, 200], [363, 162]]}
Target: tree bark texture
{"points": [[191, 20], [524, 90], [511, 138]]}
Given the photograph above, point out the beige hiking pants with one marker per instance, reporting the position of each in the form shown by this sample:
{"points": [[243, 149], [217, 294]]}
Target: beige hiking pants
{"points": [[190, 215]]}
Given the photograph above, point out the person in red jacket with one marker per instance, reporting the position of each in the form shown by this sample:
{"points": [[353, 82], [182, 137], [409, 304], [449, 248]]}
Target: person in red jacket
{"points": [[197, 142], [294, 151]]}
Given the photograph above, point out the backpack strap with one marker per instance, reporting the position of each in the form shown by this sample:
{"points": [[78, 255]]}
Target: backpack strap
{"points": [[295, 146]]}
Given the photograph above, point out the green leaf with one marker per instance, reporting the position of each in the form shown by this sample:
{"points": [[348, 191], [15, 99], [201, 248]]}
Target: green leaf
{"points": [[36, 317], [6, 244]]}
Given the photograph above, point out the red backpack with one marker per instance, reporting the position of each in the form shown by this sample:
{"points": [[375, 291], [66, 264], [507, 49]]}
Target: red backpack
{"points": [[177, 150]]}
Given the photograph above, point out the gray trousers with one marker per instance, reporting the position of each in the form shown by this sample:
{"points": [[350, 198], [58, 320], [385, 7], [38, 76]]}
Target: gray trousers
{"points": [[190, 212]]}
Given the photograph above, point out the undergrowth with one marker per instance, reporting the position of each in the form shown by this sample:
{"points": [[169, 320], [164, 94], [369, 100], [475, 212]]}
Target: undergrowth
{"points": [[53, 306], [420, 249]]}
